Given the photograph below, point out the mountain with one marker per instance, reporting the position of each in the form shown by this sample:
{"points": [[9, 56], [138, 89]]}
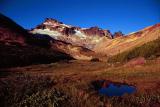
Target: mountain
{"points": [[19, 48], [100, 41], [86, 37], [75, 41], [149, 50], [53, 41]]}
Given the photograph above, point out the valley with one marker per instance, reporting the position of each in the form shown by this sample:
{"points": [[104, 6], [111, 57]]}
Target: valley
{"points": [[59, 65]]}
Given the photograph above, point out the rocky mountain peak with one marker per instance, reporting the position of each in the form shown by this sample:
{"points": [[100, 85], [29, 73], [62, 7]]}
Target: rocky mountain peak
{"points": [[51, 21], [87, 37]]}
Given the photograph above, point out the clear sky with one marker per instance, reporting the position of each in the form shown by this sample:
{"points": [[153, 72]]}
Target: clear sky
{"points": [[124, 15]]}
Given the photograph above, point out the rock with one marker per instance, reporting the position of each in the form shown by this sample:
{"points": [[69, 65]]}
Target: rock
{"points": [[118, 34], [68, 31], [96, 31]]}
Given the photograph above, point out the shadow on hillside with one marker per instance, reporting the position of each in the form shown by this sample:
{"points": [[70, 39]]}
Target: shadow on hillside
{"points": [[11, 56]]}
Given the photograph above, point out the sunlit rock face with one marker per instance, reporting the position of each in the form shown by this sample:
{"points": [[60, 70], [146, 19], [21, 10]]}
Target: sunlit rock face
{"points": [[86, 37], [118, 34]]}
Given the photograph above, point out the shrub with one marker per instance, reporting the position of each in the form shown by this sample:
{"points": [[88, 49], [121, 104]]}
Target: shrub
{"points": [[30, 91], [95, 60]]}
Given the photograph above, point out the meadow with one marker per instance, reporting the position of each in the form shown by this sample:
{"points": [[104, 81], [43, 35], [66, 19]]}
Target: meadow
{"points": [[70, 84]]}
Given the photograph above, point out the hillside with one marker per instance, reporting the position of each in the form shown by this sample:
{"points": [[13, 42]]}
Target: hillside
{"points": [[149, 50], [115, 46], [19, 48]]}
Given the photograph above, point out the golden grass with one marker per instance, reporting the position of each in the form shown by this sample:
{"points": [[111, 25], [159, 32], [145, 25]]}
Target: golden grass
{"points": [[74, 79]]}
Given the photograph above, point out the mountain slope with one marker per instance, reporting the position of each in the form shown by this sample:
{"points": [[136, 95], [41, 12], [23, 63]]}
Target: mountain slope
{"points": [[6, 22], [68, 39], [148, 50], [115, 46], [100, 41], [76, 52], [10, 32], [19, 48]]}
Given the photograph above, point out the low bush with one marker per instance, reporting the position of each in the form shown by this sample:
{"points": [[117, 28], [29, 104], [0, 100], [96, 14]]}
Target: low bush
{"points": [[30, 91], [95, 60]]}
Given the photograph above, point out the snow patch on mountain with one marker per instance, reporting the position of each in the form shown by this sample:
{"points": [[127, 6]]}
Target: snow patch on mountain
{"points": [[80, 34], [53, 34], [64, 25]]}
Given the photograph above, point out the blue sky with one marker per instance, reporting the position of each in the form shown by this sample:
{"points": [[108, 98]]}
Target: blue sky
{"points": [[124, 15]]}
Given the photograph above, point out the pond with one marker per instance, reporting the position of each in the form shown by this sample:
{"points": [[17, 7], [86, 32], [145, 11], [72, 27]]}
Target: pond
{"points": [[116, 90], [110, 88]]}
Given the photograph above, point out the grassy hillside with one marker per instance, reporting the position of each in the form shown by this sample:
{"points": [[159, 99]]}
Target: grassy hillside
{"points": [[148, 50]]}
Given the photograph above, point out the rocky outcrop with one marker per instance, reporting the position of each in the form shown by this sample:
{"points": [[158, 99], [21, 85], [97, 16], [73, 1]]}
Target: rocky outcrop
{"points": [[68, 31], [95, 31], [51, 21], [118, 34]]}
